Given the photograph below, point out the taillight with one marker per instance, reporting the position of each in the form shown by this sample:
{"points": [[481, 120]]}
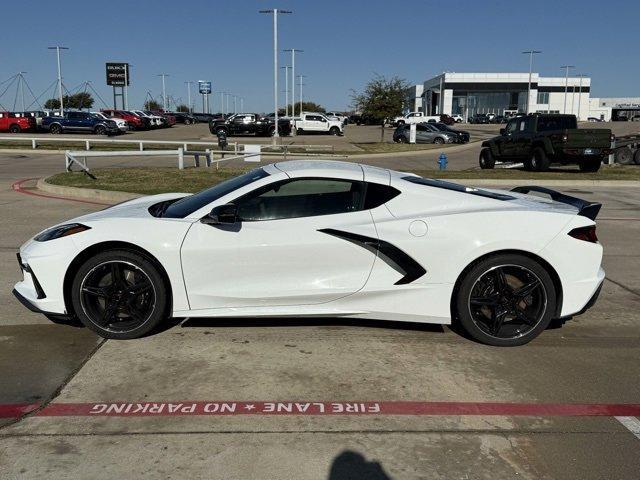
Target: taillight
{"points": [[588, 234], [565, 138]]}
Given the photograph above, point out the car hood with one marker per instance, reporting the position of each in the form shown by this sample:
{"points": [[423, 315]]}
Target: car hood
{"points": [[136, 208]]}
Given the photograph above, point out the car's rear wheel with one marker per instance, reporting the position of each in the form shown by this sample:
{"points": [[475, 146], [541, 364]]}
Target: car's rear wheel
{"points": [[486, 159], [55, 129], [119, 294], [539, 162], [505, 300], [14, 128], [590, 164], [334, 131], [438, 141]]}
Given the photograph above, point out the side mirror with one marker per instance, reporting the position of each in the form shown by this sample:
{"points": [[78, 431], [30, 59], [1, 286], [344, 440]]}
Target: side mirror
{"points": [[503, 131], [222, 215]]}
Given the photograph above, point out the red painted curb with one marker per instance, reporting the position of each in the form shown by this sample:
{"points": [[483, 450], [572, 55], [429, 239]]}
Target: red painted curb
{"points": [[217, 408], [17, 187]]}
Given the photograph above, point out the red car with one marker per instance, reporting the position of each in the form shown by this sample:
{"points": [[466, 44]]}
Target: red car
{"points": [[9, 122], [171, 120], [134, 121]]}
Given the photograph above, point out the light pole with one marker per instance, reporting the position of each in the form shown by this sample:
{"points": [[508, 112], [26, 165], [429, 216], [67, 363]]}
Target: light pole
{"points": [[164, 93], [566, 84], [300, 77], [189, 83], [582, 75], [286, 89], [241, 104], [21, 87], [531, 53], [235, 104], [57, 48], [293, 78], [275, 12]]}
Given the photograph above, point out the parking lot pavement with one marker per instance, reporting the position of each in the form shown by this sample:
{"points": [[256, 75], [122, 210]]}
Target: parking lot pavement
{"points": [[594, 358]]}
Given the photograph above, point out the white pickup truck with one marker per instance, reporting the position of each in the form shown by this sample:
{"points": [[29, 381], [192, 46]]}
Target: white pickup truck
{"points": [[414, 117], [317, 122]]}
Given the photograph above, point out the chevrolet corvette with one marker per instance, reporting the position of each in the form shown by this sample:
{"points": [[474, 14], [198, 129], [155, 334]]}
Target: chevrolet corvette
{"points": [[323, 239]]}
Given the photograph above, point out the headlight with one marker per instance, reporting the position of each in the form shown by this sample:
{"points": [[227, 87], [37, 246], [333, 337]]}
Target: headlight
{"points": [[60, 231]]}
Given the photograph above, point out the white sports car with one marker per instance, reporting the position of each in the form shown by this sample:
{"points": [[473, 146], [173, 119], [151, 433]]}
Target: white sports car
{"points": [[323, 239]]}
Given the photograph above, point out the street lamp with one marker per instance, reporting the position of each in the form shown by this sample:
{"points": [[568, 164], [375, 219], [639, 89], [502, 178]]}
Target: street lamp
{"points": [[189, 83], [164, 93], [293, 78], [566, 84], [300, 77], [57, 48], [275, 12], [286, 89], [581, 76], [531, 53]]}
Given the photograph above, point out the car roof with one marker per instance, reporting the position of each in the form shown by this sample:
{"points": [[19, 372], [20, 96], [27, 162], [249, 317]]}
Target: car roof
{"points": [[321, 168]]}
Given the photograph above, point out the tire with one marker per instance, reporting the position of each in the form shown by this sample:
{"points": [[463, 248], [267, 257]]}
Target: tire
{"points": [[505, 300], [335, 131], [14, 128], [402, 139], [100, 130], [539, 162], [271, 132], [486, 159], [438, 141], [623, 156], [299, 131], [636, 157], [55, 129], [105, 285], [218, 130], [590, 164]]}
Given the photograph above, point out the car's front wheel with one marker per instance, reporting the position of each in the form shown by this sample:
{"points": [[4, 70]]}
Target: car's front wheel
{"points": [[119, 294], [486, 159], [505, 300]]}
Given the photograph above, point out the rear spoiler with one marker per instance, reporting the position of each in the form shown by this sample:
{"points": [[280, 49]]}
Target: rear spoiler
{"points": [[585, 209]]}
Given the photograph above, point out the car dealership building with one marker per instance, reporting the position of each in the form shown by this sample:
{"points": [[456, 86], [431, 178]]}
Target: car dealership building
{"points": [[468, 94]]}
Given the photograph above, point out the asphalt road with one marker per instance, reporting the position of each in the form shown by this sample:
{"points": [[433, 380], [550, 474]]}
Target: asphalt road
{"points": [[594, 358]]}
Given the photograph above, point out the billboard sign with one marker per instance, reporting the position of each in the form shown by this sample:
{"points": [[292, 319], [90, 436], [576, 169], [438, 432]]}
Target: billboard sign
{"points": [[204, 87], [118, 74]]}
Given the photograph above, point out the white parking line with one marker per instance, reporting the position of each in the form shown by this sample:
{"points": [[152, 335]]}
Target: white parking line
{"points": [[631, 423]]}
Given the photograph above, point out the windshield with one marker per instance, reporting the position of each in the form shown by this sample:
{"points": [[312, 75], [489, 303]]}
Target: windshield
{"points": [[190, 204]]}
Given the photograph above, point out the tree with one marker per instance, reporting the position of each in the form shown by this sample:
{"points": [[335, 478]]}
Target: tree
{"points": [[52, 104], [182, 108], [382, 98], [152, 105], [78, 100], [306, 107]]}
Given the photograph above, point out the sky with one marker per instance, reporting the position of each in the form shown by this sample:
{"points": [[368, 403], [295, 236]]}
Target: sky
{"points": [[345, 43]]}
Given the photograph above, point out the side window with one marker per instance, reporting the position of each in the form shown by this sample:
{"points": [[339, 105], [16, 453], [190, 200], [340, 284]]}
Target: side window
{"points": [[422, 128], [522, 126], [306, 197], [511, 126], [378, 194]]}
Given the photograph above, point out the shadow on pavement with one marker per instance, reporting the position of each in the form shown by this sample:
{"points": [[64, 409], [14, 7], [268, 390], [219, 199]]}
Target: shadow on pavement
{"points": [[350, 465]]}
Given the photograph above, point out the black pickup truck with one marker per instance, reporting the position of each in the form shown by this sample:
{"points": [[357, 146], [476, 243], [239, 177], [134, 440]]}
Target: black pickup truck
{"points": [[539, 140], [249, 124]]}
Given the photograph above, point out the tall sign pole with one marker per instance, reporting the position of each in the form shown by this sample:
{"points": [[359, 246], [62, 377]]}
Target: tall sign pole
{"points": [[293, 78], [57, 48], [164, 92], [189, 83], [300, 77], [286, 89]]}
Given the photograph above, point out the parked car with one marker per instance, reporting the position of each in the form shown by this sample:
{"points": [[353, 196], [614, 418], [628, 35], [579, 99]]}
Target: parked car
{"points": [[135, 122], [446, 119], [460, 135], [73, 121], [340, 116], [594, 119], [315, 122], [37, 114], [414, 117], [10, 122], [249, 124], [183, 117], [122, 124], [539, 140], [167, 119], [356, 119], [424, 134], [206, 117], [479, 118], [457, 118], [155, 121], [322, 239]]}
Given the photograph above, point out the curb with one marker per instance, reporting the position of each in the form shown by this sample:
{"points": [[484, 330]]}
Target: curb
{"points": [[86, 193]]}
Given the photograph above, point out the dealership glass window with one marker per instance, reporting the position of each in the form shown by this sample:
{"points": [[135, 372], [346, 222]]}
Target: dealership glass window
{"points": [[301, 198], [490, 102], [543, 98]]}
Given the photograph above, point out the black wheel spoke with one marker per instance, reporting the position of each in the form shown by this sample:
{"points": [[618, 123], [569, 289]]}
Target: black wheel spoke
{"points": [[527, 289], [117, 275], [501, 281], [109, 313], [497, 320], [489, 301], [139, 288], [521, 316], [96, 291]]}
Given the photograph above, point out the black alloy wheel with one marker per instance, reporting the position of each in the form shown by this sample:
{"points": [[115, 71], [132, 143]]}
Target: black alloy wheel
{"points": [[438, 141], [506, 301], [119, 294], [56, 129]]}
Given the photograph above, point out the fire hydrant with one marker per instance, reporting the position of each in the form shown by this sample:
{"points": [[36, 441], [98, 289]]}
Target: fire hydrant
{"points": [[442, 161]]}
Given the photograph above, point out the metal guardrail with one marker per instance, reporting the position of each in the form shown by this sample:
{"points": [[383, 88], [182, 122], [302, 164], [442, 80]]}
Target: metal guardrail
{"points": [[79, 157], [89, 141]]}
